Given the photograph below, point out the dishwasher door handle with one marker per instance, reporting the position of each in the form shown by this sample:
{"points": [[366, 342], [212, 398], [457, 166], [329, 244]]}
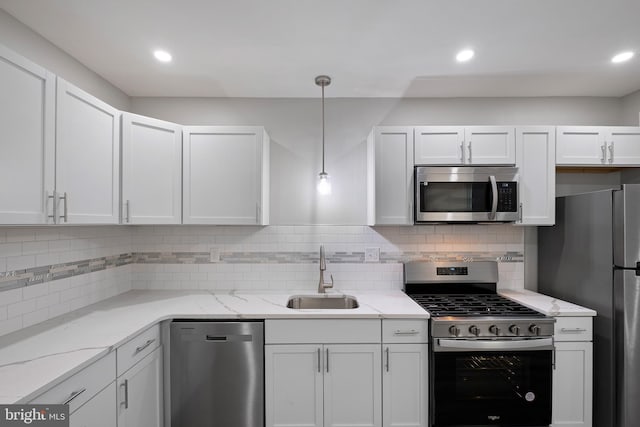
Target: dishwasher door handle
{"points": [[228, 338]]}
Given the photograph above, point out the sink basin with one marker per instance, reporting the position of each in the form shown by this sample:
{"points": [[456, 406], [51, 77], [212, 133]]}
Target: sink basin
{"points": [[327, 302]]}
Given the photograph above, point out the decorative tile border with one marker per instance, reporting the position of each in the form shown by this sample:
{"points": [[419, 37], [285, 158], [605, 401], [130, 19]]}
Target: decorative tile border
{"points": [[47, 273]]}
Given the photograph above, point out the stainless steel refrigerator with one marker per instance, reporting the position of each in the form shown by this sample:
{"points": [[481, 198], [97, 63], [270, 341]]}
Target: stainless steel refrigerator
{"points": [[592, 257]]}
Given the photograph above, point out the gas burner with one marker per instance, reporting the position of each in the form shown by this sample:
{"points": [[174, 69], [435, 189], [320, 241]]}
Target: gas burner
{"points": [[476, 305]]}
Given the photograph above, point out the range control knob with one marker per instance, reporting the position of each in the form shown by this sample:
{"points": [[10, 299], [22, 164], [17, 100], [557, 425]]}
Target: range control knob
{"points": [[534, 329], [494, 329], [474, 330], [514, 329], [454, 330]]}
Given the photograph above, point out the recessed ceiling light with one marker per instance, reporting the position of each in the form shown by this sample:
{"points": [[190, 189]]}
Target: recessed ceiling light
{"points": [[162, 55], [622, 57], [464, 55]]}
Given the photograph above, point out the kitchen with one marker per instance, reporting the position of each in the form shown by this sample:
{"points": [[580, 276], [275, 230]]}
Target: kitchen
{"points": [[90, 263]]}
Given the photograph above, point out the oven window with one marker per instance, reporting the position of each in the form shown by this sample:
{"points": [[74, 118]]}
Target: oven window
{"points": [[490, 388], [455, 197]]}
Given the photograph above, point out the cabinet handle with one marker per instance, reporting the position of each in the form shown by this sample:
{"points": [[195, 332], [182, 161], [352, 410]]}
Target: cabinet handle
{"points": [[73, 395], [66, 207], [611, 152], [319, 361], [469, 149], [462, 152], [387, 364], [573, 330], [520, 213], [128, 211], [327, 360], [125, 384], [257, 213], [54, 208], [603, 147], [409, 332], [145, 345]]}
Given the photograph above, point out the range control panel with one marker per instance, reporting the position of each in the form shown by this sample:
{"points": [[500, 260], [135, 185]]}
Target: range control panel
{"points": [[491, 328]]}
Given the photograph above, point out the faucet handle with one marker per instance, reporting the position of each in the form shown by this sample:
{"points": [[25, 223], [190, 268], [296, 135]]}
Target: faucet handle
{"points": [[330, 285]]}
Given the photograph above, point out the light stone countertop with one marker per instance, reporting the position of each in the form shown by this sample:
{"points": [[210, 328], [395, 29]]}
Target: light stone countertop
{"points": [[35, 359], [545, 304]]}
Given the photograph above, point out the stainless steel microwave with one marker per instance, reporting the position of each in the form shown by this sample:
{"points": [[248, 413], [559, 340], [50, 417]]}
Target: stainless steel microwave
{"points": [[466, 194]]}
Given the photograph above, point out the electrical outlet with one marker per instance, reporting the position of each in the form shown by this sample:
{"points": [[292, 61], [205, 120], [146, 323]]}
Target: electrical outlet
{"points": [[214, 254], [372, 255]]}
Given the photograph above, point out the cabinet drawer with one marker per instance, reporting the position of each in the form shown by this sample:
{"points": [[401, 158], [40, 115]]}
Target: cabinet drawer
{"points": [[573, 329], [83, 385], [137, 348], [405, 331], [333, 331]]}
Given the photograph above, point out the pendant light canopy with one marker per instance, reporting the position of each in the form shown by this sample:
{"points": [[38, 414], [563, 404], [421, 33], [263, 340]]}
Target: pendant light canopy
{"points": [[324, 186]]}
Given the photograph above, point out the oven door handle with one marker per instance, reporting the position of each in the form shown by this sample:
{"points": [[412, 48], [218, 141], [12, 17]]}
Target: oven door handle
{"points": [[494, 199], [493, 345]]}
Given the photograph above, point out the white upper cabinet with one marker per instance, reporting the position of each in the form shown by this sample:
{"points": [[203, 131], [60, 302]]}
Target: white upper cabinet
{"points": [[27, 115], [151, 171], [623, 146], [439, 145], [536, 148], [390, 176], [598, 146], [471, 145], [225, 175], [490, 145], [87, 158]]}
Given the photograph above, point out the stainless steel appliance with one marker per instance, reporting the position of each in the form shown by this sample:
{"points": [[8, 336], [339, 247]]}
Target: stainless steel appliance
{"points": [[491, 359], [592, 257], [217, 374], [466, 194]]}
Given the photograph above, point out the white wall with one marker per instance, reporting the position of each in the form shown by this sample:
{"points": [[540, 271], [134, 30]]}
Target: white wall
{"points": [[24, 41], [630, 114], [295, 129]]}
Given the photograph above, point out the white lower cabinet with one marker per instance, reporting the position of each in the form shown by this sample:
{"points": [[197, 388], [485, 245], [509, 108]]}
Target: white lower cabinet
{"points": [[140, 393], [323, 385], [97, 412], [405, 385], [573, 384]]}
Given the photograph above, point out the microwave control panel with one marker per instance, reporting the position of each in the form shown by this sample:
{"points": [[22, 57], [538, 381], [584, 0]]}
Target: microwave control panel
{"points": [[507, 196]]}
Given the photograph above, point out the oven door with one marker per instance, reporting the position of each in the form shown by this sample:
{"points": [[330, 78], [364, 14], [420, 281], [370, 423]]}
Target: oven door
{"points": [[491, 382], [466, 194]]}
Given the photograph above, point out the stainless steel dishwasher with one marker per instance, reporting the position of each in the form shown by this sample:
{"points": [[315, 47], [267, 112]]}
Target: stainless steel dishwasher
{"points": [[217, 374]]}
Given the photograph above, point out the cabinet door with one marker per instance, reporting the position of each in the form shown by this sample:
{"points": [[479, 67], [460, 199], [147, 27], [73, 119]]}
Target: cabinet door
{"points": [[573, 385], [352, 385], [87, 157], [490, 145], [581, 145], [151, 171], [405, 385], [623, 146], [439, 145], [225, 176], [536, 148], [393, 170], [293, 385], [27, 150], [98, 411], [140, 393]]}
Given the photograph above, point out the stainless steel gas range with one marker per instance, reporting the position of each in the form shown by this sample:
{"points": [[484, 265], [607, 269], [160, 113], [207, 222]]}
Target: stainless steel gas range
{"points": [[491, 359]]}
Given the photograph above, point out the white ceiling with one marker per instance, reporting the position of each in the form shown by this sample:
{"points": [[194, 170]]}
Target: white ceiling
{"points": [[371, 48]]}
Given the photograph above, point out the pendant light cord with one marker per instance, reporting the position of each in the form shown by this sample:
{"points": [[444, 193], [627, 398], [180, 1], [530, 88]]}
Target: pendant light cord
{"points": [[323, 130]]}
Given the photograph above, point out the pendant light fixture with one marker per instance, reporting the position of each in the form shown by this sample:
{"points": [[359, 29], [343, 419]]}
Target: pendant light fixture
{"points": [[324, 186]]}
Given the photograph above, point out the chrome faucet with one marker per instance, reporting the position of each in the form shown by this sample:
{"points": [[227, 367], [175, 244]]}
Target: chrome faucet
{"points": [[323, 266]]}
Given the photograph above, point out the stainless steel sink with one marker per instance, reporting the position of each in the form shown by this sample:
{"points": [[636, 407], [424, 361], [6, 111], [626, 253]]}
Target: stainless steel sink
{"points": [[327, 302]]}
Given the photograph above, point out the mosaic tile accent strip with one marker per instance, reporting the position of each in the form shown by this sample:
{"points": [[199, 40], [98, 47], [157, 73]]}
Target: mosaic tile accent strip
{"points": [[20, 278], [32, 276]]}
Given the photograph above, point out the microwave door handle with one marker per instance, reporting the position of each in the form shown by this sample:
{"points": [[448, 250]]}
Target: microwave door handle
{"points": [[494, 198]]}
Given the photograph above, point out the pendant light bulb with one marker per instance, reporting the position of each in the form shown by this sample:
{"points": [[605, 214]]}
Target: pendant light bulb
{"points": [[324, 185]]}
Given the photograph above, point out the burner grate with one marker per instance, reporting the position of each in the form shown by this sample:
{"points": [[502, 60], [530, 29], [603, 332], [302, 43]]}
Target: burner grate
{"points": [[472, 305]]}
